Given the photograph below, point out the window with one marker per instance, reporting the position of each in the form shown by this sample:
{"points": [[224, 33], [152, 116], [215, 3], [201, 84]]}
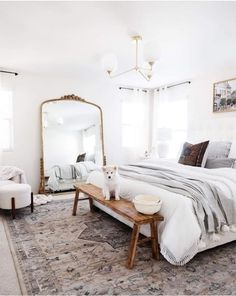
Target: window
{"points": [[171, 110], [6, 121], [135, 124]]}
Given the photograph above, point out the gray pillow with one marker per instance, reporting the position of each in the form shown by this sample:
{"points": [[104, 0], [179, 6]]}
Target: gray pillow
{"points": [[220, 163], [218, 149]]}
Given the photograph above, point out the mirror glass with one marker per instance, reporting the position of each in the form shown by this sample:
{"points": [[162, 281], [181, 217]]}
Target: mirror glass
{"points": [[72, 143]]}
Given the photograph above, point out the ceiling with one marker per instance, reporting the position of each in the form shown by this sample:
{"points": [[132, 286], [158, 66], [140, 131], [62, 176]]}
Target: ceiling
{"points": [[70, 38]]}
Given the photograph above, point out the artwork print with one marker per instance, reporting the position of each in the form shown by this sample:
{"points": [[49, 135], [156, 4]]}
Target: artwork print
{"points": [[224, 99]]}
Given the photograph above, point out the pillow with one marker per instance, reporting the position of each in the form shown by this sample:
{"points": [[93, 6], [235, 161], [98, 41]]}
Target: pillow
{"points": [[232, 152], [218, 149], [81, 157], [90, 157], [193, 154], [220, 163]]}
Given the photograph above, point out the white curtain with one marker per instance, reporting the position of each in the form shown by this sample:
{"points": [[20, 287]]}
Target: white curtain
{"points": [[6, 120], [135, 124], [170, 120]]}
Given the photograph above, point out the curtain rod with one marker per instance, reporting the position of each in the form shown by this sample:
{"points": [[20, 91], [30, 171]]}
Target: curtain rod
{"points": [[157, 89], [9, 72], [173, 85], [130, 88]]}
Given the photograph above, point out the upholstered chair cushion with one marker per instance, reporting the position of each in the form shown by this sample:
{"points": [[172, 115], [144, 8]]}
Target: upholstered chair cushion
{"points": [[21, 193]]}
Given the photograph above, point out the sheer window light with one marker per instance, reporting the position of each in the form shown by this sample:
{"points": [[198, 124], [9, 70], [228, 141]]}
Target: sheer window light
{"points": [[171, 110], [135, 124], [6, 121], [134, 120]]}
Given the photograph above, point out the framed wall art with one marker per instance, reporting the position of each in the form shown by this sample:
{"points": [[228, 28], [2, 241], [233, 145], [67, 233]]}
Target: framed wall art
{"points": [[224, 96]]}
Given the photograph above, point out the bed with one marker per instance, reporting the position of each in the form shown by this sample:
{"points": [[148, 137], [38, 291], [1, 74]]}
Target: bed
{"points": [[181, 234], [64, 177]]}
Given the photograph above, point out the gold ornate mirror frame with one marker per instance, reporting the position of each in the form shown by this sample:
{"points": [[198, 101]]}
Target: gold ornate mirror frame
{"points": [[64, 98]]}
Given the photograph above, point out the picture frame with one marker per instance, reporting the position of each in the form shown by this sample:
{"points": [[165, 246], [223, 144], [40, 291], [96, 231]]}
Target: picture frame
{"points": [[224, 96]]}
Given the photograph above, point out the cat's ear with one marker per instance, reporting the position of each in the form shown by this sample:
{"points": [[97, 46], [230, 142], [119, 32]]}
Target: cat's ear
{"points": [[103, 168], [115, 167]]}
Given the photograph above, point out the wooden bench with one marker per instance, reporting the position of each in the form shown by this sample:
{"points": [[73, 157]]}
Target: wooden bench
{"points": [[127, 210]]}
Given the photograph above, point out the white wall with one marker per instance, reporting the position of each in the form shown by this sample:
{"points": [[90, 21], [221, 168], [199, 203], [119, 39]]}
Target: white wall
{"points": [[30, 91], [202, 122]]}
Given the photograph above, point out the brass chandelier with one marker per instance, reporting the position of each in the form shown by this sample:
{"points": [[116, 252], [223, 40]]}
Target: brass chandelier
{"points": [[109, 63]]}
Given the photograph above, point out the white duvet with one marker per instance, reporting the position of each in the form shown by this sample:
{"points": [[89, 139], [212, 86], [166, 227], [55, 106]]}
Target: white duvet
{"points": [[179, 233], [81, 171]]}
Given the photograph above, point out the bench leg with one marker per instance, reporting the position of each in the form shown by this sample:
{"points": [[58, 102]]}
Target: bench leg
{"points": [[75, 202], [133, 246], [13, 208], [154, 240], [92, 208], [32, 202]]}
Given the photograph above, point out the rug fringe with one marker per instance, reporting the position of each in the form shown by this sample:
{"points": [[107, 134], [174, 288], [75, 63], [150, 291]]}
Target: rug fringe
{"points": [[15, 261]]}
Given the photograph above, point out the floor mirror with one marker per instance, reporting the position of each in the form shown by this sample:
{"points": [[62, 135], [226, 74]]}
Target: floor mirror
{"points": [[72, 143]]}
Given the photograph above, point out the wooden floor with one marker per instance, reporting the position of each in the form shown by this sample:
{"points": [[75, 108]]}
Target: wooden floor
{"points": [[9, 284]]}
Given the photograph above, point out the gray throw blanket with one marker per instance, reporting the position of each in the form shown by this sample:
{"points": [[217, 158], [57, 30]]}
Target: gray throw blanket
{"points": [[65, 171], [212, 207]]}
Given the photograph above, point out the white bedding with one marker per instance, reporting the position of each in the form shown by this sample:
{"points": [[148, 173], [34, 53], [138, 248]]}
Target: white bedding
{"points": [[179, 233], [70, 175]]}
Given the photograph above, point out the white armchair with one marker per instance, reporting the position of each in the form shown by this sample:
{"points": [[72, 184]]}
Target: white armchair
{"points": [[14, 195]]}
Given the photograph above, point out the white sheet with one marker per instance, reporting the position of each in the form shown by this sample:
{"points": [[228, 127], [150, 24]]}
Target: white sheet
{"points": [[179, 233]]}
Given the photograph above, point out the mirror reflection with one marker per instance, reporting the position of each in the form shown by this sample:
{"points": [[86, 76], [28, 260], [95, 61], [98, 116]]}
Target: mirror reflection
{"points": [[72, 143]]}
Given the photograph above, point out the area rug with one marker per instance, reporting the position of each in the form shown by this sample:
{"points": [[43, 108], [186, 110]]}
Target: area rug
{"points": [[58, 253]]}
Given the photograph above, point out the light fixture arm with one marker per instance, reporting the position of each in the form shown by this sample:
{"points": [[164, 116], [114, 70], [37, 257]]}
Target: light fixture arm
{"points": [[121, 73], [143, 75], [136, 67]]}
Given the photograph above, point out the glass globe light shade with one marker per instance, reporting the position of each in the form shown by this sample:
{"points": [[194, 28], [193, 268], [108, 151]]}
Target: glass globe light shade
{"points": [[109, 63]]}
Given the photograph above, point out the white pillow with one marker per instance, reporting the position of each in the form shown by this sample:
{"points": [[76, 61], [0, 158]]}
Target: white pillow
{"points": [[219, 149], [232, 152]]}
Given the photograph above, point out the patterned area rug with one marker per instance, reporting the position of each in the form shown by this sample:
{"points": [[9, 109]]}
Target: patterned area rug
{"points": [[86, 254]]}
